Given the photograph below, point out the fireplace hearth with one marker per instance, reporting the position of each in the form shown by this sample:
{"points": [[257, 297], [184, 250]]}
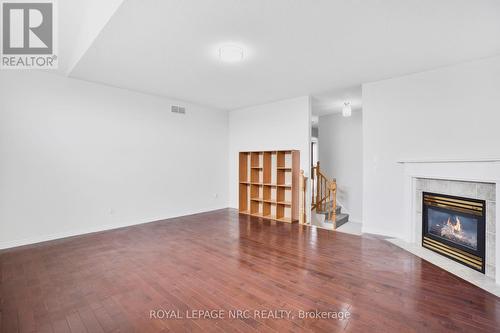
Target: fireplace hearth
{"points": [[455, 227]]}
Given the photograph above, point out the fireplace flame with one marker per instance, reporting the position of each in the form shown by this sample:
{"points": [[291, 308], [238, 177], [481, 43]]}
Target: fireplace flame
{"points": [[457, 227]]}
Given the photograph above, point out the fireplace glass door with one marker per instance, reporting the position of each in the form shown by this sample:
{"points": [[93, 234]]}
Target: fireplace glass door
{"points": [[454, 227]]}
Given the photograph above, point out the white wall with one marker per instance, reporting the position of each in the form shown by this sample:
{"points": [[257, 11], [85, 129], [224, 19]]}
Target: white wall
{"points": [[452, 112], [78, 157], [341, 157], [275, 126]]}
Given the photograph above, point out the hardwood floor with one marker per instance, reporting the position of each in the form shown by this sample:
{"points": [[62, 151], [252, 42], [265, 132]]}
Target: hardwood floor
{"points": [[110, 281]]}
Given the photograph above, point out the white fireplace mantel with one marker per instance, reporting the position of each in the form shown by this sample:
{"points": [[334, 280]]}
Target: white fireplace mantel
{"points": [[458, 160], [475, 170]]}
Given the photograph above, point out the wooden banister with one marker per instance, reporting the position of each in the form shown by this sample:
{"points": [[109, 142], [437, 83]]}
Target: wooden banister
{"points": [[324, 193], [318, 183], [302, 210]]}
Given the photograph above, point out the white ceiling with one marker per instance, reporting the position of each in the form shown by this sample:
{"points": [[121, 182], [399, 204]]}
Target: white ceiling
{"points": [[333, 101], [80, 22], [299, 47]]}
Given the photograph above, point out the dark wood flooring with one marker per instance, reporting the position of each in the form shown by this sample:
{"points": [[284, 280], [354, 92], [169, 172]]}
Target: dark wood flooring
{"points": [[110, 281]]}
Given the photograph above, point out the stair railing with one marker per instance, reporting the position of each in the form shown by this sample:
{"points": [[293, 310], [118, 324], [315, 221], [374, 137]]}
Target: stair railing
{"points": [[324, 192], [302, 210]]}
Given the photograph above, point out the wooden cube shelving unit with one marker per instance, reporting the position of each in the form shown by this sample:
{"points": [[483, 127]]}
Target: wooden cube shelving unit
{"points": [[269, 184]]}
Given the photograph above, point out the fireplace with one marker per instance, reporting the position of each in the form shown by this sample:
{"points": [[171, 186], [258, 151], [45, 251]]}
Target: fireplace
{"points": [[455, 227]]}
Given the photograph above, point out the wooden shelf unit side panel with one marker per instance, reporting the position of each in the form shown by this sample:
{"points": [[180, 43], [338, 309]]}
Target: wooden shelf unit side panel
{"points": [[243, 167], [244, 178], [295, 184], [243, 198]]}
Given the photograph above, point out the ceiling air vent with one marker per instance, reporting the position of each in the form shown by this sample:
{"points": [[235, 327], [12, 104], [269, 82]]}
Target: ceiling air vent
{"points": [[178, 109]]}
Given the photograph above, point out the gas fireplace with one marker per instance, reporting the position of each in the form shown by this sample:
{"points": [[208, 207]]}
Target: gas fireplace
{"points": [[455, 227]]}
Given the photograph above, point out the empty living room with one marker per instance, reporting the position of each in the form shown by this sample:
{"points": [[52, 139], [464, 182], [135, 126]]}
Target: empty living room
{"points": [[249, 166]]}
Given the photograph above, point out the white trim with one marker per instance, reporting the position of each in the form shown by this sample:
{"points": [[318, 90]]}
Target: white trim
{"points": [[355, 220], [346, 211], [376, 231], [493, 159]]}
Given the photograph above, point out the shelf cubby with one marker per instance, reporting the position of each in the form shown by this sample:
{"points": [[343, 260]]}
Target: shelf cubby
{"points": [[269, 184]]}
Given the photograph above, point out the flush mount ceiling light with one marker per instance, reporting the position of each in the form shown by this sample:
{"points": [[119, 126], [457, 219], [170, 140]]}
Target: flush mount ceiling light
{"points": [[346, 109], [231, 53]]}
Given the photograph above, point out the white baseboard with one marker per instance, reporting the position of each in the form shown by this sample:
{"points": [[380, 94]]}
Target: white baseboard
{"points": [[84, 231], [376, 231]]}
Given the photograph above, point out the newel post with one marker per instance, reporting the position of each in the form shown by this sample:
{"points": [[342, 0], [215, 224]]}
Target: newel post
{"points": [[302, 209], [318, 186]]}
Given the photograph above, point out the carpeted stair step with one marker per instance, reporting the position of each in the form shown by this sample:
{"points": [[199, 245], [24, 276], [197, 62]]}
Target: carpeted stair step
{"points": [[338, 210], [341, 219]]}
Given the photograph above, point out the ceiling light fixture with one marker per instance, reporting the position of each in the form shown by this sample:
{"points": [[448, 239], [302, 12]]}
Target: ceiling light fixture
{"points": [[231, 53], [346, 109]]}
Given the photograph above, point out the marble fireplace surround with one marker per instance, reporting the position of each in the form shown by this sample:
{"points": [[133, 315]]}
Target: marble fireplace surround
{"points": [[472, 190], [419, 175]]}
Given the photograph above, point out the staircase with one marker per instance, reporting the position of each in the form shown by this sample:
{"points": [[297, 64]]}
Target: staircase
{"points": [[324, 198], [340, 218]]}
